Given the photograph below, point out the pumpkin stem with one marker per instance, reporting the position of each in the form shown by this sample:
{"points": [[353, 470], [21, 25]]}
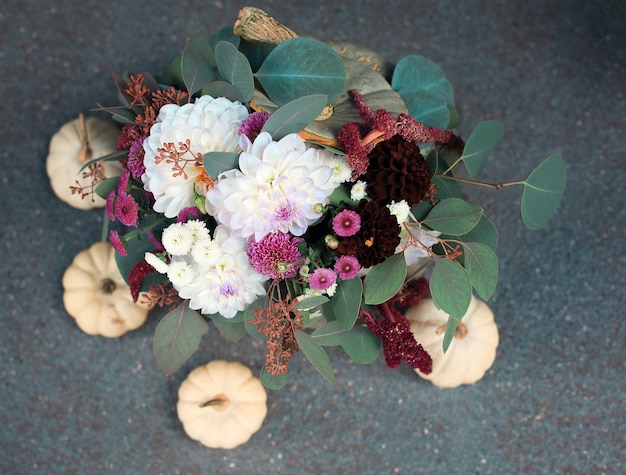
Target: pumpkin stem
{"points": [[84, 153], [107, 286], [460, 332], [219, 402]]}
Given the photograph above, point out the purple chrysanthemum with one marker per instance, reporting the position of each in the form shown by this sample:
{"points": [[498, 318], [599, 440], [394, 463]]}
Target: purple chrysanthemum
{"points": [[110, 205], [347, 267], [117, 243], [322, 278], [188, 213], [122, 185], [253, 124], [135, 158], [276, 255], [347, 223], [126, 210]]}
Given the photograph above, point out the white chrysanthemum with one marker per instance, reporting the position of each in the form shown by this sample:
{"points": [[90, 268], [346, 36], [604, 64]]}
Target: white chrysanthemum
{"points": [[276, 188], [416, 244], [357, 192], [342, 172], [177, 239], [400, 210], [180, 273], [210, 125], [225, 285], [155, 261], [206, 252]]}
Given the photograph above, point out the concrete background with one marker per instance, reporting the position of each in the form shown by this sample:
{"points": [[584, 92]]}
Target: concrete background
{"points": [[552, 71]]}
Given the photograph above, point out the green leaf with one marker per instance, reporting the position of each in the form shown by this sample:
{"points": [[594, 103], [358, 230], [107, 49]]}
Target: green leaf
{"points": [[114, 156], [427, 107], [384, 280], [449, 333], [234, 68], [249, 318], [481, 264], [347, 301], [332, 334], [479, 145], [310, 302], [105, 187], [301, 67], [543, 190], [364, 348], [417, 73], [224, 34], [121, 114], [256, 52], [453, 216], [295, 115], [173, 75], [222, 89], [446, 188], [450, 287], [231, 331], [218, 162], [197, 64], [484, 232], [273, 382], [177, 337], [316, 355]]}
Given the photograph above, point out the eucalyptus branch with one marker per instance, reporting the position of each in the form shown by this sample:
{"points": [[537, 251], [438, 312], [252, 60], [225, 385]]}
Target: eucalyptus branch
{"points": [[494, 186]]}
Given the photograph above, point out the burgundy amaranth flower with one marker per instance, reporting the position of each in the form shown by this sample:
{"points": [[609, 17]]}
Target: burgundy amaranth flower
{"points": [[399, 343], [397, 171], [346, 223], [322, 278], [347, 267], [117, 243], [126, 210], [135, 158], [376, 240], [276, 255], [411, 294], [130, 133], [253, 124]]}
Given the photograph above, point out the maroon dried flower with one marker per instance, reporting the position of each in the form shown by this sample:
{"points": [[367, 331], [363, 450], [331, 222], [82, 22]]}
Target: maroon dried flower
{"points": [[377, 238], [397, 171], [138, 273], [130, 133]]}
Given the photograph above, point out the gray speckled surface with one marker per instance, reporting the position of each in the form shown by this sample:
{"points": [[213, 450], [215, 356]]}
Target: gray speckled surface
{"points": [[553, 402]]}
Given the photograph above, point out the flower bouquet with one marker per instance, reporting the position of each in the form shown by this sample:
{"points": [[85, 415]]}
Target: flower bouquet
{"points": [[301, 193]]}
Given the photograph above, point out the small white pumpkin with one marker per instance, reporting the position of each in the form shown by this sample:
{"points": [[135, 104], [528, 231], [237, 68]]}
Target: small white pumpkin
{"points": [[221, 404], [97, 296], [472, 350], [75, 143]]}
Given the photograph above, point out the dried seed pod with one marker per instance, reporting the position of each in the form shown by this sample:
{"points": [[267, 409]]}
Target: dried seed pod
{"points": [[253, 24]]}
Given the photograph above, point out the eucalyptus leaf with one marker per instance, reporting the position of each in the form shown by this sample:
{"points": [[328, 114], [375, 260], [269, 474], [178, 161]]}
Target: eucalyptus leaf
{"points": [[310, 302], [364, 348], [453, 216], [347, 301], [449, 333], [446, 188], [177, 337], [173, 75], [314, 352], [481, 264], [479, 145], [114, 156], [450, 287], [198, 66], [121, 114], [104, 188], [543, 190], [332, 334], [231, 331], [484, 232], [272, 381], [234, 68], [256, 52], [295, 115], [417, 73], [427, 108], [224, 34], [218, 162], [384, 280], [222, 89], [301, 67]]}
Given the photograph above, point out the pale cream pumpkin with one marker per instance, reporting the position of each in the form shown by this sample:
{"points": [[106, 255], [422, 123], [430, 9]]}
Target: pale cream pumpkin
{"points": [[472, 350], [75, 143], [97, 296], [221, 404]]}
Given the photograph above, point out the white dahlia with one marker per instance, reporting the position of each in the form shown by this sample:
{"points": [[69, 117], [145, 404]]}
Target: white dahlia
{"points": [[176, 144], [214, 275], [279, 186]]}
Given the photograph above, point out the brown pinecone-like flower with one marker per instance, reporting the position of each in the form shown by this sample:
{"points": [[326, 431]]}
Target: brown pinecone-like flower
{"points": [[377, 238], [397, 171]]}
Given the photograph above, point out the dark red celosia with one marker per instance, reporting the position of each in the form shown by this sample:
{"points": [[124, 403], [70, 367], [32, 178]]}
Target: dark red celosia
{"points": [[397, 171], [138, 273], [130, 133], [399, 343]]}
